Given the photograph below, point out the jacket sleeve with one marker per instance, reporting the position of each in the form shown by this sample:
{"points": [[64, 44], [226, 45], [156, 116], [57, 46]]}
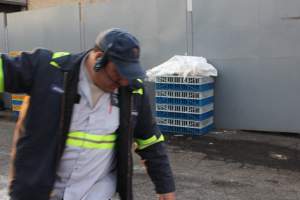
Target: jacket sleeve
{"points": [[151, 148], [17, 73]]}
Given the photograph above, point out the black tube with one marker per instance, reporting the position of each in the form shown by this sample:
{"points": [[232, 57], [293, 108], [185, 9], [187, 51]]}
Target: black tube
{"points": [[124, 145]]}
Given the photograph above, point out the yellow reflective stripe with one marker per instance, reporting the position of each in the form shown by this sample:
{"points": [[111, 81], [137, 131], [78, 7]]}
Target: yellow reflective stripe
{"points": [[1, 76], [90, 141], [54, 64], [59, 54], [90, 145], [139, 80], [96, 138], [138, 91], [142, 144]]}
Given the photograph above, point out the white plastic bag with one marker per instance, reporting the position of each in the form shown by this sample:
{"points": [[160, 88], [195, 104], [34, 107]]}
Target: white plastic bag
{"points": [[183, 66]]}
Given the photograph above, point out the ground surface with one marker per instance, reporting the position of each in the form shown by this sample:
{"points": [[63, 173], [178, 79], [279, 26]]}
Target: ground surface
{"points": [[225, 165]]}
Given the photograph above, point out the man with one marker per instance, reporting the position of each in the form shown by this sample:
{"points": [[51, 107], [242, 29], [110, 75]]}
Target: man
{"points": [[67, 148]]}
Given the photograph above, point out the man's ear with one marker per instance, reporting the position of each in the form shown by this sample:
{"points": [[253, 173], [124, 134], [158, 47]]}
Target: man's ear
{"points": [[101, 61], [98, 54]]}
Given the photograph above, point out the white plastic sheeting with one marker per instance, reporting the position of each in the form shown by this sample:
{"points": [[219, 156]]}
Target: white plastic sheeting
{"points": [[183, 66]]}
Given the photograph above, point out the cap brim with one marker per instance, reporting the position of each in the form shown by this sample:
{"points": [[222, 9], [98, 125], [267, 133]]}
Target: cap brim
{"points": [[130, 70]]}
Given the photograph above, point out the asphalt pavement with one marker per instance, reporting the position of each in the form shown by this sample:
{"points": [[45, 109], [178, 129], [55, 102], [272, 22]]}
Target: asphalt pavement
{"points": [[222, 165]]}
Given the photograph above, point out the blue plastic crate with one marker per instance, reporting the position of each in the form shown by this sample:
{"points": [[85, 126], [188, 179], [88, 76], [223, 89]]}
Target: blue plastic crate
{"points": [[184, 108], [184, 105], [193, 80], [171, 130], [17, 102], [193, 102], [184, 94], [184, 87], [186, 116]]}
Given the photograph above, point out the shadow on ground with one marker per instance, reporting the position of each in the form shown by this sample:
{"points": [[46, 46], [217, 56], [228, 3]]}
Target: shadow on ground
{"points": [[242, 151]]}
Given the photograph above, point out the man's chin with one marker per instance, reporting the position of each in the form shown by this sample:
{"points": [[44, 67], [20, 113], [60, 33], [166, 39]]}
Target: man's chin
{"points": [[109, 90]]}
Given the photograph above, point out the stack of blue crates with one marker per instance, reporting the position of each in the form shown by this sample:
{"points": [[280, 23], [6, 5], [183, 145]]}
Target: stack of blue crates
{"points": [[184, 105]]}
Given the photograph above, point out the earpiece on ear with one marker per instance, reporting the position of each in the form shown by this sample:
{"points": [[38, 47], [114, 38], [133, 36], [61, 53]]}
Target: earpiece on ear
{"points": [[101, 62], [98, 65]]}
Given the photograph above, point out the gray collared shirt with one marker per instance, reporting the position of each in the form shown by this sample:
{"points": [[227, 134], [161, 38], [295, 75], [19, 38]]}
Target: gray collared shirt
{"points": [[89, 174]]}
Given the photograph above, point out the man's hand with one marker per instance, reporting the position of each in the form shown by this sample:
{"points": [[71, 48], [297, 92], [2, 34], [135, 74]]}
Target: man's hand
{"points": [[167, 196]]}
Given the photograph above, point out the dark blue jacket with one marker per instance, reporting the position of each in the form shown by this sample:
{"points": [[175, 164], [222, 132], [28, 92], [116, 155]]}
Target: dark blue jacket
{"points": [[51, 81]]}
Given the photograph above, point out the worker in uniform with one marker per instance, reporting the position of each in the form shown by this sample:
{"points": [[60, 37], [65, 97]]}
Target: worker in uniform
{"points": [[66, 148]]}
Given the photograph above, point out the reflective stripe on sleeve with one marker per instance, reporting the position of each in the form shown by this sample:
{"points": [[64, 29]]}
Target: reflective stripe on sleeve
{"points": [[138, 91], [1, 76], [54, 64], [139, 80], [90, 141], [142, 144], [58, 55]]}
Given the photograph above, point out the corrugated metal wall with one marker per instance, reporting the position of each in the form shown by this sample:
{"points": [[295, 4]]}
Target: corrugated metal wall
{"points": [[2, 33], [56, 28], [254, 45]]}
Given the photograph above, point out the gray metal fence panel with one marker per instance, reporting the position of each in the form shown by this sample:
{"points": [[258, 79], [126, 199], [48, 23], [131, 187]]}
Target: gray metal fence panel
{"points": [[159, 25], [255, 47], [278, 34], [172, 31], [2, 33], [225, 29], [56, 28]]}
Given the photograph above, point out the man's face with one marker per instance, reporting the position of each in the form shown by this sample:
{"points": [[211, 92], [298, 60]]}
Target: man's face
{"points": [[108, 78]]}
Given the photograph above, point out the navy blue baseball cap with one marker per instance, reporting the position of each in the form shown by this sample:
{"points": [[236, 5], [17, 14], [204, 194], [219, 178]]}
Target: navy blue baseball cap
{"points": [[123, 49]]}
